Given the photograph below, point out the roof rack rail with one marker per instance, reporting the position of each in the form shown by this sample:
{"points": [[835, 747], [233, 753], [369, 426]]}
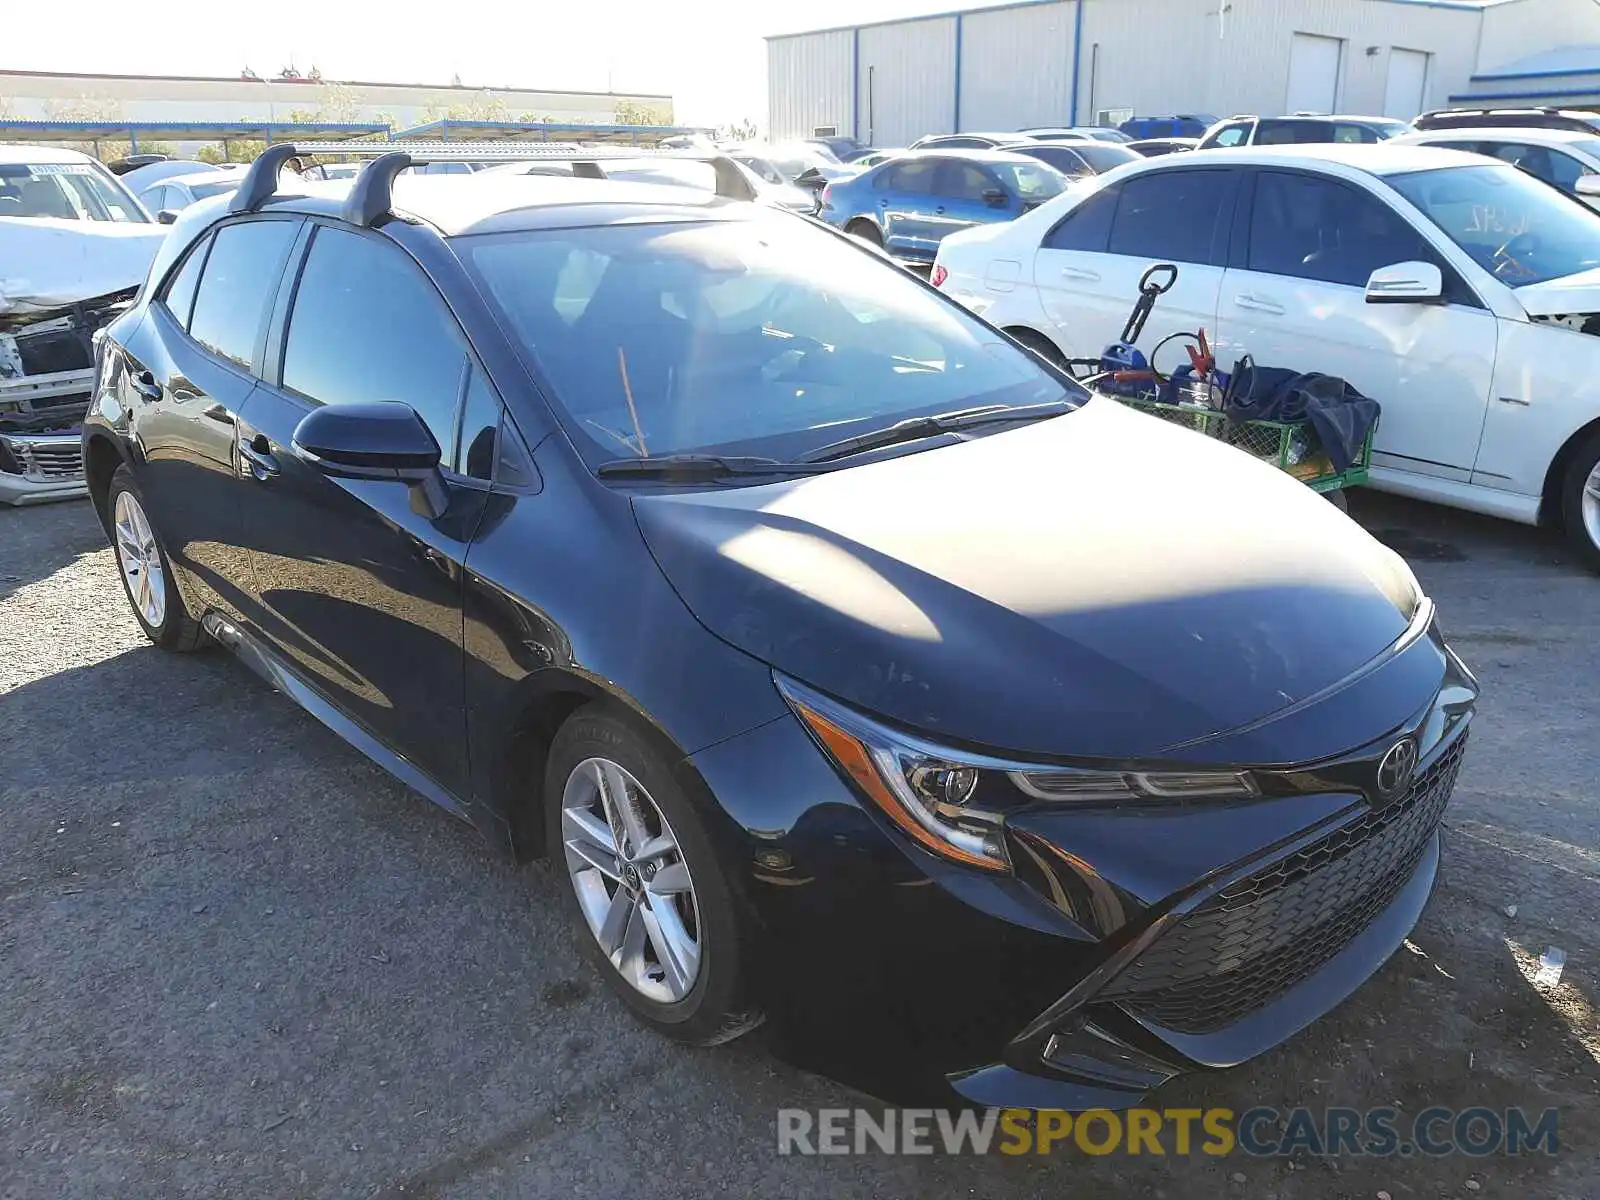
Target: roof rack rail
{"points": [[371, 198]]}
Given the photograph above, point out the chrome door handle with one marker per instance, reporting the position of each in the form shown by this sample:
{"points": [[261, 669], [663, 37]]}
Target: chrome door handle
{"points": [[1256, 304], [257, 460], [145, 384]]}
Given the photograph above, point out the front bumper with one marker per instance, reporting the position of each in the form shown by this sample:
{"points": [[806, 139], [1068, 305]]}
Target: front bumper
{"points": [[1130, 945]]}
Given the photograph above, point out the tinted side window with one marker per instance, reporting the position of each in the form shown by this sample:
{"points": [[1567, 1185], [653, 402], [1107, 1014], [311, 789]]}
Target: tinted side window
{"points": [[178, 295], [1293, 133], [237, 287], [368, 325], [1356, 133], [1552, 166], [1088, 226], [963, 181], [1172, 215], [1313, 228], [915, 177], [480, 428]]}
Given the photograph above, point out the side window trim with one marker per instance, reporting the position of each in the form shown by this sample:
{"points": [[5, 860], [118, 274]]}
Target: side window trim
{"points": [[201, 246], [258, 353], [1111, 195]]}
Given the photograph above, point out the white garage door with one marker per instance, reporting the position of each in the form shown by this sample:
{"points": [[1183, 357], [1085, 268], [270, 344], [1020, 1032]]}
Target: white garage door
{"points": [[1314, 74], [1404, 95]]}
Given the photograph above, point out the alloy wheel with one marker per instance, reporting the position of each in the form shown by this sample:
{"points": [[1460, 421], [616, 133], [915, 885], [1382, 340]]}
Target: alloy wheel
{"points": [[631, 880], [1591, 506], [140, 560]]}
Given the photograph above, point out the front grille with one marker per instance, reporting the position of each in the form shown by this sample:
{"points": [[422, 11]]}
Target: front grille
{"points": [[1267, 932], [55, 460]]}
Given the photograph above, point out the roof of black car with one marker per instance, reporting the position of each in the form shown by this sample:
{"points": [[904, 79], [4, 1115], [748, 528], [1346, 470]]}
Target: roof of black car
{"points": [[490, 201]]}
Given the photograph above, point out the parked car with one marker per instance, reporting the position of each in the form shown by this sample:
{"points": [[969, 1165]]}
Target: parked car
{"points": [[807, 167], [168, 197], [1520, 118], [1563, 158], [907, 205], [1077, 133], [763, 177], [1299, 130], [1184, 125], [840, 147], [966, 141], [1462, 294], [854, 667], [121, 166], [873, 157], [1153, 147], [74, 247], [1076, 159], [141, 178]]}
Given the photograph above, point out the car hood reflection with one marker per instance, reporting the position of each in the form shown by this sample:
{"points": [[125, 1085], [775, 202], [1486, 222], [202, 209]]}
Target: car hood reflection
{"points": [[1101, 584]]}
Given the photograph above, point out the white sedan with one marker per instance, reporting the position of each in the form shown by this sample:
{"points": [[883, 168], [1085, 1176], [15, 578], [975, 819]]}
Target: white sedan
{"points": [[1462, 294]]}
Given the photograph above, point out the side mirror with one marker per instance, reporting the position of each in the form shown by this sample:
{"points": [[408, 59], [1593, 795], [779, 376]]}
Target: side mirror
{"points": [[996, 197], [385, 440], [167, 216], [1406, 283], [1589, 185]]}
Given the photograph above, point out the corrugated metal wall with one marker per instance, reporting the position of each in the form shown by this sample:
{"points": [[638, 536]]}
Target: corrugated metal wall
{"points": [[1016, 67], [808, 83], [1155, 57], [907, 80]]}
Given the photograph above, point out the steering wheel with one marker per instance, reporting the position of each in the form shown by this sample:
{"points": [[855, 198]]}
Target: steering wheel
{"points": [[1506, 261]]}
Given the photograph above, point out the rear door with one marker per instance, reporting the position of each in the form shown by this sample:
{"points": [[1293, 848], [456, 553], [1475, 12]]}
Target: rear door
{"points": [[1296, 298], [360, 594], [192, 369], [905, 207], [959, 198], [1088, 268]]}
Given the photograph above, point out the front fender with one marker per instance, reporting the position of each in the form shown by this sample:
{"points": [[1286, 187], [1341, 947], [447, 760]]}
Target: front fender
{"points": [[1546, 389]]}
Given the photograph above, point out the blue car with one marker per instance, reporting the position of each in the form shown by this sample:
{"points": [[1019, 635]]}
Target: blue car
{"points": [[909, 204]]}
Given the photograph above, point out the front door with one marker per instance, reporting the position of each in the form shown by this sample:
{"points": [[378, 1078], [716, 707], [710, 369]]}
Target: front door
{"points": [[356, 589], [1298, 300], [192, 368], [959, 201], [1088, 268]]}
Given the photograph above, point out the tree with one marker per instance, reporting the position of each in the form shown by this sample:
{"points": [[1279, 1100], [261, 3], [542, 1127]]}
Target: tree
{"points": [[241, 151], [631, 112], [739, 131], [112, 151]]}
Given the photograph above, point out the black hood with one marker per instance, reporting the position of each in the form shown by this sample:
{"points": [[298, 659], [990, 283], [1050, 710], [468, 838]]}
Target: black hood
{"points": [[1102, 584]]}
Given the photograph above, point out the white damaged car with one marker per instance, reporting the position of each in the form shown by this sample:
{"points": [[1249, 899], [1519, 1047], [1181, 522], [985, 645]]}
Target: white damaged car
{"points": [[1461, 293], [74, 247]]}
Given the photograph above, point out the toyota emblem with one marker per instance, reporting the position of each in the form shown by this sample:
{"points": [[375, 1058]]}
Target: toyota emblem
{"points": [[1394, 772]]}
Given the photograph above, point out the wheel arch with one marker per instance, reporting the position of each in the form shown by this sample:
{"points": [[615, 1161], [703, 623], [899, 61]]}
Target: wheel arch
{"points": [[101, 458], [1026, 333], [1550, 495]]}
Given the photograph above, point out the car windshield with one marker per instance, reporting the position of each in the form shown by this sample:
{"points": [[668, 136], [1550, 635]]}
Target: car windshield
{"points": [[1103, 156], [214, 188], [761, 335], [72, 191], [1033, 181], [1514, 226]]}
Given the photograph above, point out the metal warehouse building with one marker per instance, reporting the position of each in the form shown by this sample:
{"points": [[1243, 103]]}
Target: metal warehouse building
{"points": [[1071, 62]]}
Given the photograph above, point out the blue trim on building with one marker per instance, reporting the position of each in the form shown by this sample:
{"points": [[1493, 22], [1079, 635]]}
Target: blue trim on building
{"points": [[1495, 76], [855, 83], [1568, 93], [956, 125], [1077, 57]]}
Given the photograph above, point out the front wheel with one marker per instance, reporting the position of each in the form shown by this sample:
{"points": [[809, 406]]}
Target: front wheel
{"points": [[649, 896], [146, 572], [1580, 501]]}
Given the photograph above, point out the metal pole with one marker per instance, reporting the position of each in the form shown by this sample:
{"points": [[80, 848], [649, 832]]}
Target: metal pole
{"points": [[133, 141]]}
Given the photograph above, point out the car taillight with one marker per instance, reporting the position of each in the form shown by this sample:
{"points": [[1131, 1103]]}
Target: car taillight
{"points": [[939, 275]]}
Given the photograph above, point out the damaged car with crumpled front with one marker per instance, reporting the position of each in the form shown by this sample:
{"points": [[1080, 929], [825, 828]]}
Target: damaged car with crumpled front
{"points": [[74, 247]]}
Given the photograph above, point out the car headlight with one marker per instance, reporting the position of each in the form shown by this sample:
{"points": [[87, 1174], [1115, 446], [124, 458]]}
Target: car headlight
{"points": [[953, 802]]}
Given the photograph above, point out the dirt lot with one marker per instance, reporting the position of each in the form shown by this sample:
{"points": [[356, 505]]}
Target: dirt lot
{"points": [[237, 960]]}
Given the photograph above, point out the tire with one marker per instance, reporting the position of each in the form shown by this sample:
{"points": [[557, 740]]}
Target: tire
{"points": [[866, 231], [1338, 499], [1580, 502], [160, 611], [1040, 345], [714, 1005]]}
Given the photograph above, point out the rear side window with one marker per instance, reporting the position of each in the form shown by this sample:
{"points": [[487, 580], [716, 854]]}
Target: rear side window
{"points": [[1293, 133], [915, 177], [1552, 166], [1173, 215], [480, 430], [178, 295], [1086, 228], [237, 287], [1231, 135], [1313, 228], [1356, 133], [368, 325]]}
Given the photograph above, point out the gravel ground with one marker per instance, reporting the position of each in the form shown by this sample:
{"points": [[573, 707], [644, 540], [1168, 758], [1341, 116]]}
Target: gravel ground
{"points": [[237, 960]]}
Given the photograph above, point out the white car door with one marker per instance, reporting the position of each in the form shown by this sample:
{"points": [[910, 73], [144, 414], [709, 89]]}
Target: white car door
{"points": [[1088, 266], [1296, 298]]}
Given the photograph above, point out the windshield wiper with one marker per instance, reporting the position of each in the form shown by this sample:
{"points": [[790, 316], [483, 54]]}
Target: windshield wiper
{"points": [[696, 467], [915, 428]]}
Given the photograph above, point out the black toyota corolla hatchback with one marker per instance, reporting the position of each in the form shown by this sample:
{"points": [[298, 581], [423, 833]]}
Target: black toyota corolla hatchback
{"points": [[852, 667]]}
